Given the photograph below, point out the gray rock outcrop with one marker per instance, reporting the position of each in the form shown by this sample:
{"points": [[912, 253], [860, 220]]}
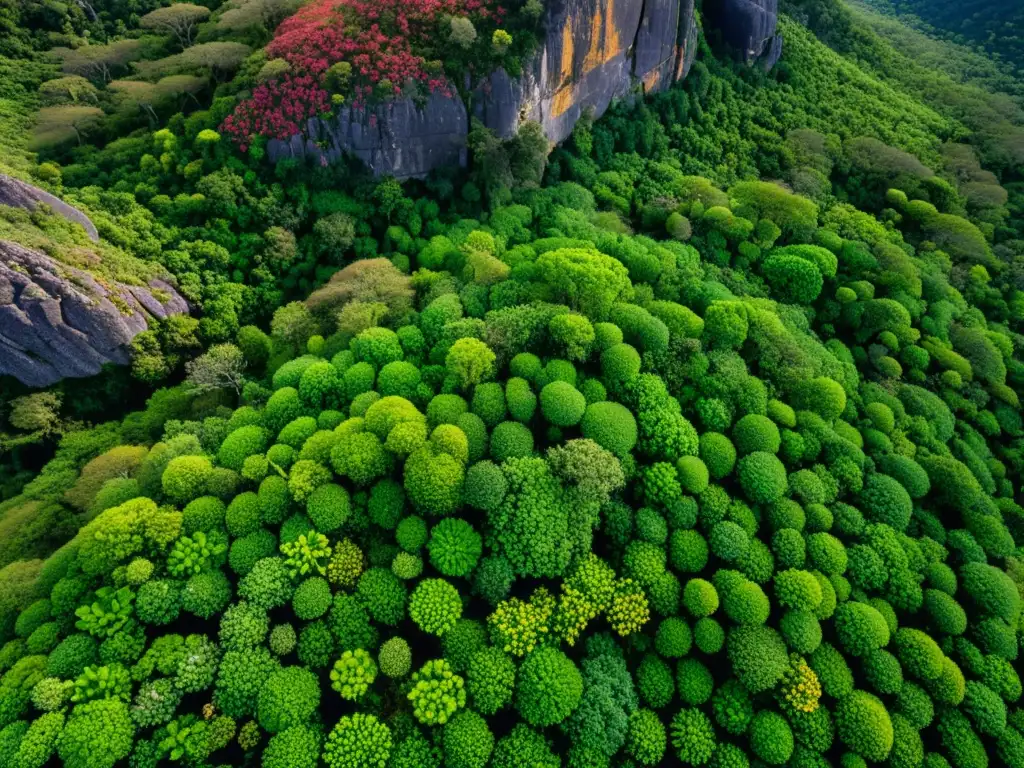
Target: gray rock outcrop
{"points": [[57, 321], [18, 194], [594, 51], [749, 27]]}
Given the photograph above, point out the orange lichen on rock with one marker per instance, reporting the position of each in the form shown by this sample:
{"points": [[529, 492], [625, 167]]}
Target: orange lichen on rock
{"points": [[605, 41]]}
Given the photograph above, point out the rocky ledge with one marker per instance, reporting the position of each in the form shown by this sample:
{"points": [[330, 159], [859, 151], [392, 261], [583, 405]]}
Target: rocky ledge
{"points": [[57, 321]]}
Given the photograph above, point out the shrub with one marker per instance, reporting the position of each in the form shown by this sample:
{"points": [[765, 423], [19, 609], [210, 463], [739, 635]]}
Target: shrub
{"points": [[646, 738], [312, 598], [747, 603], [688, 551], [97, 735], [700, 598], [674, 638], [328, 507], [756, 433], [991, 590], [919, 653], [185, 478], [524, 746], [510, 439], [383, 595], [490, 678], [562, 404], [728, 541], [884, 500], [395, 658], [861, 628], [611, 426], [433, 481]]}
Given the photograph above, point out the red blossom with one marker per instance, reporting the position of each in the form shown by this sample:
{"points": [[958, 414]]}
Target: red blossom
{"points": [[379, 38]]}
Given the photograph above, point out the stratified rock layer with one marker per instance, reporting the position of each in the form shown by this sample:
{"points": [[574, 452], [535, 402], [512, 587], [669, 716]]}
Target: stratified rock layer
{"points": [[594, 51], [18, 194], [57, 321]]}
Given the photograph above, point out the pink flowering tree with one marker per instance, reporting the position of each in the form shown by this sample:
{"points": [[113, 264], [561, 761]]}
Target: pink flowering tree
{"points": [[387, 45]]}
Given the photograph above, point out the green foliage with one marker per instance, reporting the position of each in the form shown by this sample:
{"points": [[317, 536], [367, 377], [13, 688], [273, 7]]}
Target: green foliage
{"points": [[354, 673], [435, 606], [436, 693], [548, 687], [790, 430], [864, 726]]}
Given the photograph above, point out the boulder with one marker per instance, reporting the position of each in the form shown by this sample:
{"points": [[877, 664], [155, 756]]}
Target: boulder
{"points": [[57, 321], [18, 194], [594, 51]]}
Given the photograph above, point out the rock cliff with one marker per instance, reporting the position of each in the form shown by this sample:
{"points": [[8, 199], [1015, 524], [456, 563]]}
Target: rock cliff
{"points": [[18, 194], [57, 321], [594, 51], [749, 27]]}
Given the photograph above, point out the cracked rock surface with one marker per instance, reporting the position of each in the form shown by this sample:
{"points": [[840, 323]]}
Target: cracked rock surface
{"points": [[57, 321]]}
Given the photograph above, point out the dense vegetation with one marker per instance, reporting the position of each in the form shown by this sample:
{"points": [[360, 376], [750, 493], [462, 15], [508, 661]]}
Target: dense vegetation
{"points": [[695, 441], [996, 28]]}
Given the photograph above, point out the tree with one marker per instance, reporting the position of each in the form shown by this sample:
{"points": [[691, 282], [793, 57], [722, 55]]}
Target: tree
{"points": [[491, 165], [98, 61], [529, 154], [221, 367], [55, 125], [463, 33], [180, 19], [38, 412], [220, 58], [137, 95], [293, 324], [265, 14], [369, 281], [69, 89]]}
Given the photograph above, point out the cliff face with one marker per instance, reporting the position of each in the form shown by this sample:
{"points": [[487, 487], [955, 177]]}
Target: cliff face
{"points": [[57, 321], [749, 27], [594, 51]]}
